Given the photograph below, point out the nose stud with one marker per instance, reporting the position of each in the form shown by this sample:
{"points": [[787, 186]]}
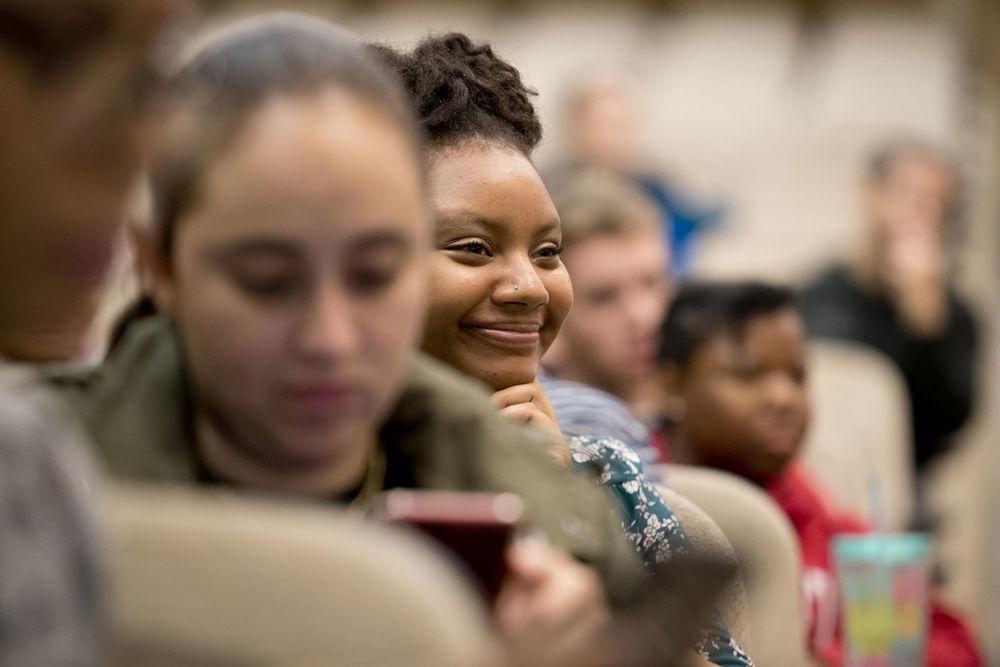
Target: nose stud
{"points": [[515, 288]]}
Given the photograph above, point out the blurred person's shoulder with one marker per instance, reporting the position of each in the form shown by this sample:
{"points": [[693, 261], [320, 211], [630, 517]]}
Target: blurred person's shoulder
{"points": [[135, 406], [832, 282], [833, 305]]}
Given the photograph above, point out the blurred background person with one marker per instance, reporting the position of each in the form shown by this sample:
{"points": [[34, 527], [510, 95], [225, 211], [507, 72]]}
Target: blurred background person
{"points": [[734, 369], [897, 296], [600, 119], [75, 82], [74, 121], [616, 255]]}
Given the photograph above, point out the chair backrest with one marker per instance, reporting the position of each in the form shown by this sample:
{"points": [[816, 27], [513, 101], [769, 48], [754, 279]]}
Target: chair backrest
{"points": [[860, 431], [768, 556], [707, 538], [200, 580]]}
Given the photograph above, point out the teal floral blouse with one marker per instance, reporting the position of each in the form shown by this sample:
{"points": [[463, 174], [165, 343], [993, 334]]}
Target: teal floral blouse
{"points": [[648, 523]]}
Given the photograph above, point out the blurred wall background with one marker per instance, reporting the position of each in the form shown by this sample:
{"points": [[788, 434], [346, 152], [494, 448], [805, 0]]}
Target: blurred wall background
{"points": [[770, 108]]}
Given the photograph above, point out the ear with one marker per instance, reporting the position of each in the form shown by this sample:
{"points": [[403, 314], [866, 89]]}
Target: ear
{"points": [[670, 378]]}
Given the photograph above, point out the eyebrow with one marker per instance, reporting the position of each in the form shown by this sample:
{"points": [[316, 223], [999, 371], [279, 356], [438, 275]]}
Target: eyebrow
{"points": [[459, 221], [364, 242], [228, 250]]}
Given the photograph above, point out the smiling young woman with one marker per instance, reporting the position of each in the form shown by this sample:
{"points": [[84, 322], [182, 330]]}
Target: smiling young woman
{"points": [[498, 290]]}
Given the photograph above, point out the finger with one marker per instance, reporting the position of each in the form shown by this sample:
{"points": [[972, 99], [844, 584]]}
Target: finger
{"points": [[524, 413], [519, 393]]}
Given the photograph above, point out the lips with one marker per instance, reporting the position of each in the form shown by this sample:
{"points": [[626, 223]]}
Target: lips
{"points": [[513, 335]]}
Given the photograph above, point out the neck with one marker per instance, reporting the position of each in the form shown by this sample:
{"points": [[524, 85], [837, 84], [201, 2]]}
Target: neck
{"points": [[238, 465]]}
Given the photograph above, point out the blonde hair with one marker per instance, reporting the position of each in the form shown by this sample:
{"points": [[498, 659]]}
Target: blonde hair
{"points": [[596, 202]]}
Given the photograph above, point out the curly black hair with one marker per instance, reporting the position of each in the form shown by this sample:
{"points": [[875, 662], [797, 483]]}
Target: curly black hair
{"points": [[461, 91]]}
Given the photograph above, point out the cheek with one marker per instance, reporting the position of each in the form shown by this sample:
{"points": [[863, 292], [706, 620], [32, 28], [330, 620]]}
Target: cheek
{"points": [[453, 291], [235, 341], [395, 322], [722, 408], [560, 289]]}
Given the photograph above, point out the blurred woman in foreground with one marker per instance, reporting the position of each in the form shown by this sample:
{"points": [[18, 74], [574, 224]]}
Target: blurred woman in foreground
{"points": [[289, 259]]}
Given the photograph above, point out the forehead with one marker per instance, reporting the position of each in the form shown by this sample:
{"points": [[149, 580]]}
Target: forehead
{"points": [[323, 156], [777, 337], [491, 181], [603, 255], [925, 170]]}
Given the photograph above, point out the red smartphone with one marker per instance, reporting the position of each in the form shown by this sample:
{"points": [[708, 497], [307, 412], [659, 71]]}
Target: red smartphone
{"points": [[475, 527]]}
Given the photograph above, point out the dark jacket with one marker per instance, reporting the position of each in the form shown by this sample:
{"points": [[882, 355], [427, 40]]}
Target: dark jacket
{"points": [[939, 371], [443, 434]]}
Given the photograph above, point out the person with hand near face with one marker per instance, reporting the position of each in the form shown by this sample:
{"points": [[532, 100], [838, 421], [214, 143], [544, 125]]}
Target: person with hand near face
{"points": [[289, 259], [733, 359], [896, 295], [498, 290]]}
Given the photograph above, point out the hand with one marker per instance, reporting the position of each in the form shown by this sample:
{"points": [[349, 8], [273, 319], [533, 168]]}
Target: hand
{"points": [[528, 404], [551, 608], [915, 272]]}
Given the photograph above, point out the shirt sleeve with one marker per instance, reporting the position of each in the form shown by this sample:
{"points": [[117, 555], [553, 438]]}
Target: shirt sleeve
{"points": [[649, 524]]}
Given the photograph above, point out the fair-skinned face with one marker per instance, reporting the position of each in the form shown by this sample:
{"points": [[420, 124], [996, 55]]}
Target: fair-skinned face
{"points": [[498, 290], [604, 129], [297, 280], [621, 290], [911, 204], [746, 400]]}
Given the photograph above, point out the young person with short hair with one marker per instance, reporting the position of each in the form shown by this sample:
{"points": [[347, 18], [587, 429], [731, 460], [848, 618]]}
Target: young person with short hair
{"points": [[733, 359]]}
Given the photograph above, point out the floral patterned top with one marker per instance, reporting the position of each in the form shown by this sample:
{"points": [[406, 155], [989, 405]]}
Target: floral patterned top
{"points": [[648, 523]]}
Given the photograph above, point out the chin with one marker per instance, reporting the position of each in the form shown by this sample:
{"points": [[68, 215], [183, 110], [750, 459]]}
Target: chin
{"points": [[308, 450], [502, 378]]}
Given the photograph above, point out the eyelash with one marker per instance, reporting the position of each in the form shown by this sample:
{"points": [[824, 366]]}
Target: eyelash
{"points": [[547, 252], [551, 250], [467, 246], [267, 288]]}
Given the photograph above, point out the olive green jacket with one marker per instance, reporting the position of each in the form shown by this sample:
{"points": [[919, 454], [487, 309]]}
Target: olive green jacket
{"points": [[444, 433]]}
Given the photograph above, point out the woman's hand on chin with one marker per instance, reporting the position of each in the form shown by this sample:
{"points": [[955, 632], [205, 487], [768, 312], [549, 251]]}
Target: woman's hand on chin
{"points": [[528, 404]]}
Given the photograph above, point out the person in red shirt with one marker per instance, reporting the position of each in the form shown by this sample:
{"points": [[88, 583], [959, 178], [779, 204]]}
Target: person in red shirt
{"points": [[733, 357]]}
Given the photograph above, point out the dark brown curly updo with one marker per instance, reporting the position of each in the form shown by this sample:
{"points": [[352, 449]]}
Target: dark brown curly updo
{"points": [[462, 91]]}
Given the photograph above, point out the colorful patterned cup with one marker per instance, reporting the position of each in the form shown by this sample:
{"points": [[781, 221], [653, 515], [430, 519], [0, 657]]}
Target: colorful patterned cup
{"points": [[884, 587]]}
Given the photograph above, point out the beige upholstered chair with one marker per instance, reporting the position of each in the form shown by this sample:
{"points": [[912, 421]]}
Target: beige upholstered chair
{"points": [[205, 580], [767, 551], [708, 538], [860, 430]]}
